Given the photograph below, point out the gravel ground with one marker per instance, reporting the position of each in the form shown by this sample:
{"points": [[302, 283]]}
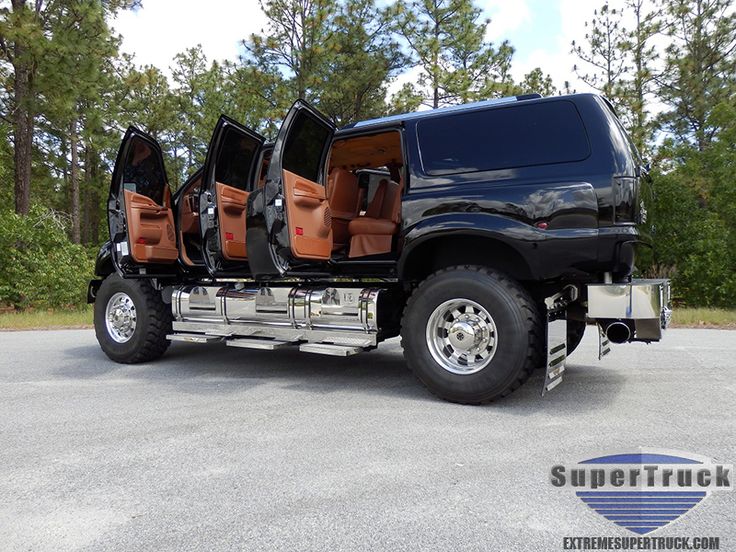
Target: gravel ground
{"points": [[217, 448]]}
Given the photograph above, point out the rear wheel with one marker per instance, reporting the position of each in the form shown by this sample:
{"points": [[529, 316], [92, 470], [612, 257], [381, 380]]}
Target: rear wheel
{"points": [[131, 320], [471, 334]]}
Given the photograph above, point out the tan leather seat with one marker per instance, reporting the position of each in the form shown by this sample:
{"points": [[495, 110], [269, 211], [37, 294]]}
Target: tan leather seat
{"points": [[372, 233], [345, 198]]}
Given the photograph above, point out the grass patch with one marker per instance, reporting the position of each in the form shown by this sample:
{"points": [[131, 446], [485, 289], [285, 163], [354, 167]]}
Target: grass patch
{"points": [[703, 318], [40, 319]]}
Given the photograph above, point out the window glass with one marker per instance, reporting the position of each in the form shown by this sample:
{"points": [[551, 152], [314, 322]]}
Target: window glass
{"points": [[235, 158], [304, 147], [144, 171], [503, 138]]}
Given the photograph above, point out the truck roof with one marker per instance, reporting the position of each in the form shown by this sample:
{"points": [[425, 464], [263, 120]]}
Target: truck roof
{"points": [[393, 119]]}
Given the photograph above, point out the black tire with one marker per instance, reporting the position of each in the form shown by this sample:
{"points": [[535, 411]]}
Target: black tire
{"points": [[153, 321], [575, 332], [518, 323]]}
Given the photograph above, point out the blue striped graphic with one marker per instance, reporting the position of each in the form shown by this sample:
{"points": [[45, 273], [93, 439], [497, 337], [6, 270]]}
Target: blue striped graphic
{"points": [[640, 493], [640, 458], [642, 500], [678, 512], [640, 511], [639, 517]]}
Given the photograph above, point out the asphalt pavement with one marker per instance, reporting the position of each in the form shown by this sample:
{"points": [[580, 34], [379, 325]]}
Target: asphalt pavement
{"points": [[218, 448]]}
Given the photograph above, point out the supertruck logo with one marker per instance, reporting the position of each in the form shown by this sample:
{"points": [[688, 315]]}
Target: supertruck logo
{"points": [[646, 490]]}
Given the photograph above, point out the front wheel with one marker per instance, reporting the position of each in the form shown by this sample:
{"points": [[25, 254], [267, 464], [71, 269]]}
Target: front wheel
{"points": [[472, 334], [131, 320]]}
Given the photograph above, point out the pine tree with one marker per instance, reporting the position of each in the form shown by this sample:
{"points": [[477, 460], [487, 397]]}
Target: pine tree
{"points": [[602, 54], [637, 91], [23, 41], [446, 39], [30, 36], [298, 35], [700, 68], [71, 82], [537, 82], [338, 56], [362, 57]]}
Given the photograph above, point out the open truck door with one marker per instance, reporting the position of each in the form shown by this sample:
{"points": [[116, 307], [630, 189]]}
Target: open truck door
{"points": [[139, 210], [230, 171], [289, 219]]}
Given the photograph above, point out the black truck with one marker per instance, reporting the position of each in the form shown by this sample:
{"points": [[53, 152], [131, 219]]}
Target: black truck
{"points": [[487, 235]]}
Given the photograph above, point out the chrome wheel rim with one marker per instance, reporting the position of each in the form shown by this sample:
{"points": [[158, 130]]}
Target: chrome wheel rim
{"points": [[120, 317], [461, 336]]}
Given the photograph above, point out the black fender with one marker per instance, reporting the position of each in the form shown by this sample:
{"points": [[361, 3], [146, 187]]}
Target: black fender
{"points": [[527, 252], [103, 268], [103, 264]]}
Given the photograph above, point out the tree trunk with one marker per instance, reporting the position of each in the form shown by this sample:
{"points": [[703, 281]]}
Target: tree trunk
{"points": [[86, 188], [74, 181], [96, 193], [22, 132]]}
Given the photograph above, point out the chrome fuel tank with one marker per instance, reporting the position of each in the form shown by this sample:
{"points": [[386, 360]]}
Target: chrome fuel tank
{"points": [[297, 307]]}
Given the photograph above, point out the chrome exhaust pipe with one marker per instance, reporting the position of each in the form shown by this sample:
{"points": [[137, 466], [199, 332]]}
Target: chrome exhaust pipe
{"points": [[618, 332]]}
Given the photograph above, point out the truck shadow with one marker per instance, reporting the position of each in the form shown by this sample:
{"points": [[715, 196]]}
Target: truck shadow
{"points": [[216, 369]]}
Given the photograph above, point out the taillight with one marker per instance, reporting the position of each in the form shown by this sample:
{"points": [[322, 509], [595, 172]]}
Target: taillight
{"points": [[626, 199]]}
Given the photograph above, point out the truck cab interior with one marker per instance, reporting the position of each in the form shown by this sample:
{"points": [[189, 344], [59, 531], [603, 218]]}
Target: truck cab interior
{"points": [[366, 215], [342, 193], [187, 221], [342, 199]]}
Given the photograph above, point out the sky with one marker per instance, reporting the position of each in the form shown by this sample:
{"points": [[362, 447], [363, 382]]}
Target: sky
{"points": [[540, 30]]}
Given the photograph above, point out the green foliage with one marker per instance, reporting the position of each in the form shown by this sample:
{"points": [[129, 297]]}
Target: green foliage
{"points": [[688, 245], [700, 69], [39, 267], [447, 40], [337, 55], [692, 217]]}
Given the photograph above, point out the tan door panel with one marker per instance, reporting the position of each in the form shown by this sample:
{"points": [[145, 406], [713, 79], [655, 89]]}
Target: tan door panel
{"points": [[231, 204], [150, 230], [308, 213]]}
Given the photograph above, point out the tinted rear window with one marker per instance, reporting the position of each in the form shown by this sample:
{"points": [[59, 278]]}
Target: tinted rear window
{"points": [[503, 138], [304, 146]]}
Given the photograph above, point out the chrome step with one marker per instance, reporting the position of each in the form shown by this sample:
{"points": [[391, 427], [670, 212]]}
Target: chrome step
{"points": [[264, 344], [329, 349], [349, 338], [193, 338]]}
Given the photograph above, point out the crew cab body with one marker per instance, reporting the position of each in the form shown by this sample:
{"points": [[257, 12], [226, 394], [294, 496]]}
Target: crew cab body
{"points": [[325, 238]]}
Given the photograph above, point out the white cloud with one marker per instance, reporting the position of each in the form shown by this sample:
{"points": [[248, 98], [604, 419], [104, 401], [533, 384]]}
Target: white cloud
{"points": [[506, 16], [163, 28]]}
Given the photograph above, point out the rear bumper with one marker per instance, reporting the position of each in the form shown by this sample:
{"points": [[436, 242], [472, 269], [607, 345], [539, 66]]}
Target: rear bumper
{"points": [[643, 305]]}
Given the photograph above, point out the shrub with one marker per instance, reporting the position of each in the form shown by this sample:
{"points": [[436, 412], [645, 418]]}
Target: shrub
{"points": [[691, 244], [39, 266]]}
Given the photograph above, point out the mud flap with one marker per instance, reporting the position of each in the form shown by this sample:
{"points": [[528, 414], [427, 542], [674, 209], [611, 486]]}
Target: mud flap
{"points": [[604, 346], [556, 350]]}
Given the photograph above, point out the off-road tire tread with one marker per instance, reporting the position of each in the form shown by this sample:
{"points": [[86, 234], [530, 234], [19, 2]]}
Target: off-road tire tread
{"points": [[536, 348], [160, 319]]}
